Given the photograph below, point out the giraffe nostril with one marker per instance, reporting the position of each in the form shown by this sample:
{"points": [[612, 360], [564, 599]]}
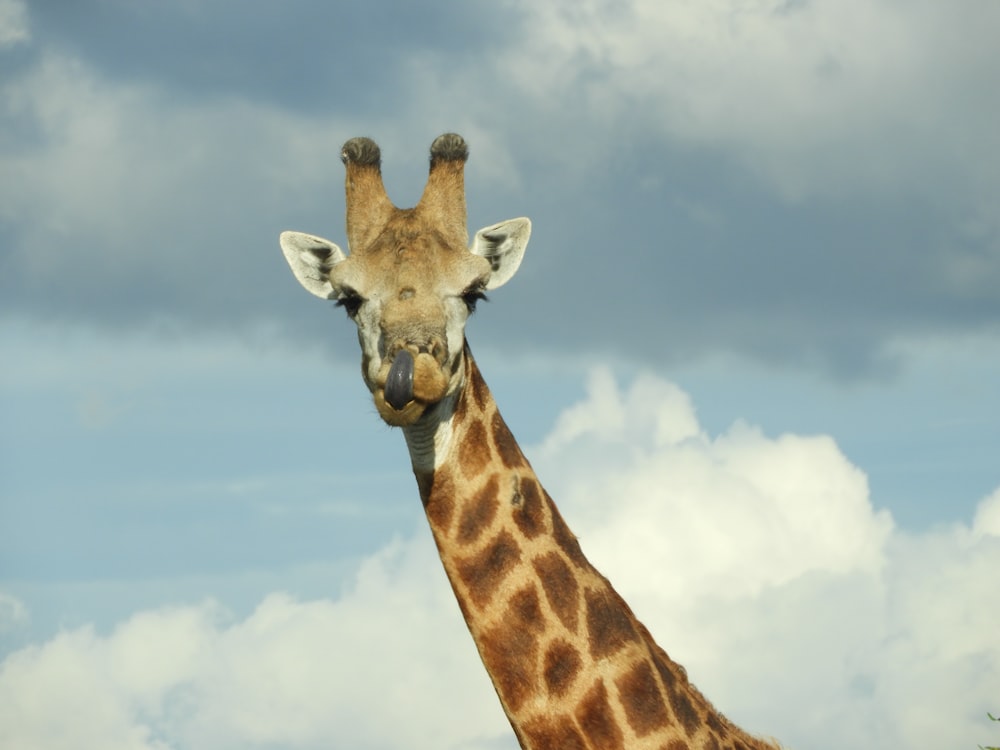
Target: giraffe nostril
{"points": [[436, 349]]}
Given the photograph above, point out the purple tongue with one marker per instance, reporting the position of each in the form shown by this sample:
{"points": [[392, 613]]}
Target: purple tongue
{"points": [[399, 384]]}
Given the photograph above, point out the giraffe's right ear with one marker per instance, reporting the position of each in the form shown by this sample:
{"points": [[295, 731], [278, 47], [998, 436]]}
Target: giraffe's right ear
{"points": [[311, 259]]}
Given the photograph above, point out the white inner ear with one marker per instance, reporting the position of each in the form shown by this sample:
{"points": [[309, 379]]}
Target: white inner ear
{"points": [[311, 259], [503, 246]]}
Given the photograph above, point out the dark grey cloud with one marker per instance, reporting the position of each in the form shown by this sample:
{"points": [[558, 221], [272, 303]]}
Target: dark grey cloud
{"points": [[705, 260], [300, 54]]}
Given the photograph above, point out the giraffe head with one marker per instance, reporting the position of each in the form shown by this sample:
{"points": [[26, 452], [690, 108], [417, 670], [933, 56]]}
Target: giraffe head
{"points": [[411, 279]]}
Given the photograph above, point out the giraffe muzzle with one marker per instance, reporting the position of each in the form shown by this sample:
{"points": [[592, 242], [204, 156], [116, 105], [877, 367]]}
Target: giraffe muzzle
{"points": [[407, 384], [399, 382]]}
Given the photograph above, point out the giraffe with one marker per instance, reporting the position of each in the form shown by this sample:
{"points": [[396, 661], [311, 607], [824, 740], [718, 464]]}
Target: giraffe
{"points": [[572, 666]]}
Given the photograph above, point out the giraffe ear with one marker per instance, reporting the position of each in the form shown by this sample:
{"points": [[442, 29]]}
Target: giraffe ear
{"points": [[503, 246], [311, 259]]}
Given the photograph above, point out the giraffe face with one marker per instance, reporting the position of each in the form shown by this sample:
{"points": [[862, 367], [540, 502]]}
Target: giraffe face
{"points": [[409, 284], [410, 295]]}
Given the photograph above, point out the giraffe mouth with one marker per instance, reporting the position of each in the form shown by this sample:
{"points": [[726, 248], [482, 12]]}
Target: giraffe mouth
{"points": [[407, 385]]}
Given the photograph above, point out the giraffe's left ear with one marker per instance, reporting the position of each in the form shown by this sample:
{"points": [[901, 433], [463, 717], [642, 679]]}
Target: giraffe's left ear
{"points": [[311, 259], [503, 246]]}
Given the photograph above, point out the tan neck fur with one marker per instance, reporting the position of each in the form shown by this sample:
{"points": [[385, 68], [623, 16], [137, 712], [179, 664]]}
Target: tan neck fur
{"points": [[573, 667]]}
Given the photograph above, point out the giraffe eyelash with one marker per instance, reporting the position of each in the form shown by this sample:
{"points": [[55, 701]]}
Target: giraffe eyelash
{"points": [[351, 302], [472, 296]]}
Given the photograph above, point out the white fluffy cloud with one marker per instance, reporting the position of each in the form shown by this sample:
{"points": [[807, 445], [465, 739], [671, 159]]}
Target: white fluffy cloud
{"points": [[758, 562], [987, 520], [357, 671], [754, 511]]}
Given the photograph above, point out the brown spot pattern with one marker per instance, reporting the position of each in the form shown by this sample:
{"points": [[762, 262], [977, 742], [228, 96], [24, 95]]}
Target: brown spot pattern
{"points": [[680, 702], [608, 624], [474, 451], [510, 654], [684, 710], [562, 664], [480, 392], [506, 446], [564, 537], [596, 719], [560, 587], [555, 734], [512, 649], [461, 404], [439, 503], [482, 573], [529, 515], [640, 697], [714, 723], [525, 610], [479, 513]]}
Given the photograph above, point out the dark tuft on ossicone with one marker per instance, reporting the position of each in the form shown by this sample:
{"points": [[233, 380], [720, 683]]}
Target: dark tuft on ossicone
{"points": [[449, 147], [361, 151]]}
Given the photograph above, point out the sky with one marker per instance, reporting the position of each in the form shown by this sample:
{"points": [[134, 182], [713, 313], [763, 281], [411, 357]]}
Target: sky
{"points": [[752, 351]]}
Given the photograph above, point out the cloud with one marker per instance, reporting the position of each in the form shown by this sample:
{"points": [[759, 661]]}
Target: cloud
{"points": [[296, 674], [791, 505], [987, 520], [125, 206], [795, 181], [817, 97], [759, 562], [13, 613], [13, 23], [128, 203]]}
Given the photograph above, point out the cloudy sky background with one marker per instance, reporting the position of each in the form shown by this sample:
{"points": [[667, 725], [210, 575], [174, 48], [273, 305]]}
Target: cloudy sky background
{"points": [[753, 352]]}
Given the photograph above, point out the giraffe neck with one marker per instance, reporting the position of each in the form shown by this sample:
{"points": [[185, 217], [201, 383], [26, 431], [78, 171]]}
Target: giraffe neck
{"points": [[571, 664]]}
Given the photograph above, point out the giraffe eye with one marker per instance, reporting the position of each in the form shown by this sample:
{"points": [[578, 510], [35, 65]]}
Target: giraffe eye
{"points": [[472, 295], [350, 301]]}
